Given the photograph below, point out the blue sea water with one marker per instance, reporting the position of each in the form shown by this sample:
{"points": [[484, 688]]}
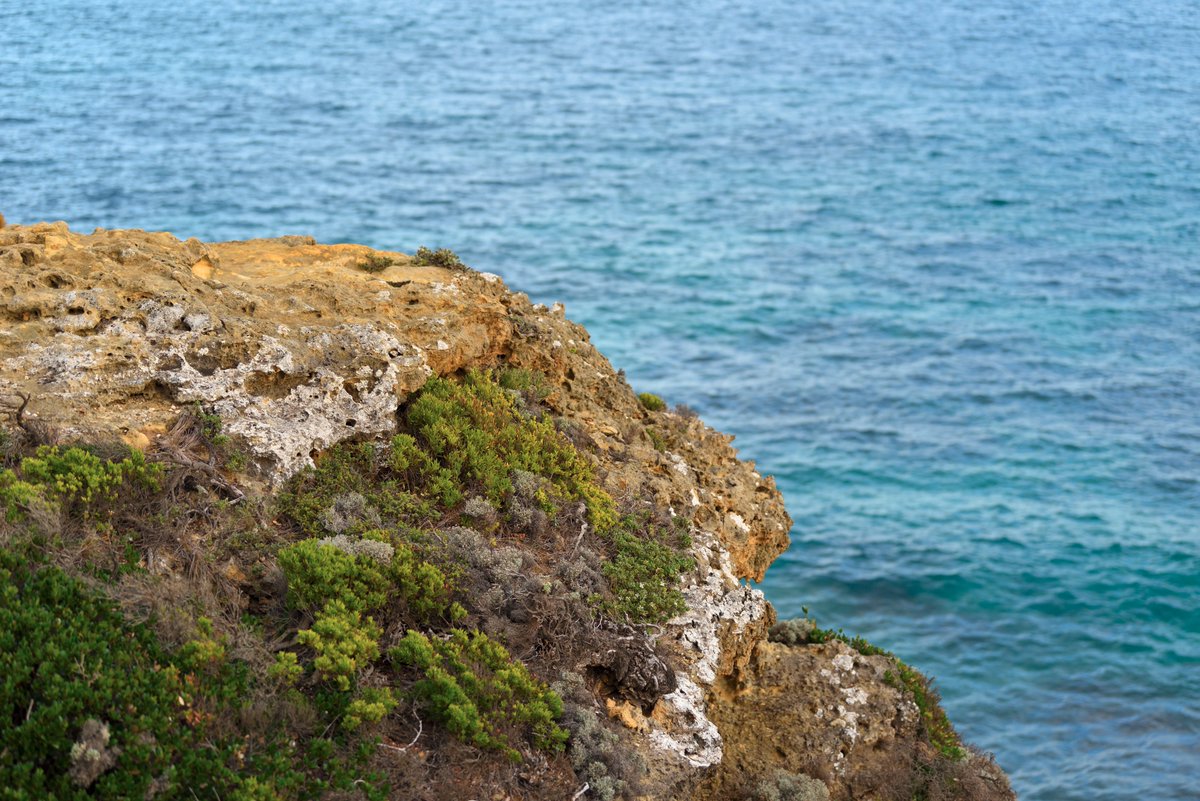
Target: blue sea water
{"points": [[937, 264]]}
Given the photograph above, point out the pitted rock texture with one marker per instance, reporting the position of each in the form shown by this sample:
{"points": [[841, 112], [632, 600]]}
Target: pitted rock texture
{"points": [[833, 715]]}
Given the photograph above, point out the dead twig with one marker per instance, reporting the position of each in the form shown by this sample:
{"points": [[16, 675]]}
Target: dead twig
{"points": [[420, 729]]}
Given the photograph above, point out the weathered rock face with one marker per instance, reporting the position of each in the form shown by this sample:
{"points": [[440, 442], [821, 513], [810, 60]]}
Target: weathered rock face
{"points": [[111, 335]]}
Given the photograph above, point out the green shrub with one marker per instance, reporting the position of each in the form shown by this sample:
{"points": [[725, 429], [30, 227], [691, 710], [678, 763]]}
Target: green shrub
{"points": [[423, 585], [442, 257], [344, 469], [519, 379], [374, 263], [74, 479], [382, 476], [372, 705], [651, 402], [68, 657], [343, 641], [318, 573], [933, 718], [419, 469], [286, 670], [477, 434], [467, 435], [474, 688], [644, 578]]}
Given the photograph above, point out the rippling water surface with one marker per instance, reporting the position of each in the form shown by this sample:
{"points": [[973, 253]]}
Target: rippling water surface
{"points": [[936, 264]]}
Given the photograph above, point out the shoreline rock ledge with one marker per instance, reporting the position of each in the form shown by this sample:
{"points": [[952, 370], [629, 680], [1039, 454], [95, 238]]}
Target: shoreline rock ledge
{"points": [[298, 349]]}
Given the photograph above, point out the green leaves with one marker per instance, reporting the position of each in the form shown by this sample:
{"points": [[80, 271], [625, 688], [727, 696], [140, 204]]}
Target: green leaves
{"points": [[479, 436], [73, 478], [318, 573], [344, 643], [475, 688], [644, 578]]}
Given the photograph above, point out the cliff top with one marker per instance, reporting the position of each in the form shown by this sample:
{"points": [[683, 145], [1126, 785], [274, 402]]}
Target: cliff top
{"points": [[362, 492]]}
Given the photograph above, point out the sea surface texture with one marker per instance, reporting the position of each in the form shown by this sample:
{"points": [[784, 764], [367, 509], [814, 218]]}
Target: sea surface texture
{"points": [[937, 264]]}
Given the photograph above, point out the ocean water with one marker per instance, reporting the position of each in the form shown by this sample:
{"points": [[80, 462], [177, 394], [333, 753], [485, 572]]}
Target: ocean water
{"points": [[937, 264]]}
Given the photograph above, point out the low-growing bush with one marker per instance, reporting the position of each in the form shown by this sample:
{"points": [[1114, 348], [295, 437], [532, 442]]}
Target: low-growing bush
{"points": [[318, 572], [474, 688], [442, 257], [92, 707], [73, 479], [364, 574], [651, 402], [475, 431], [372, 705], [344, 643], [644, 575], [375, 263]]}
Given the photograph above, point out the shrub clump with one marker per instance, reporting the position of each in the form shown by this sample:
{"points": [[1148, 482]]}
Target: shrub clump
{"points": [[324, 495], [72, 479], [95, 708], [595, 753], [364, 575], [644, 579], [472, 685], [374, 263], [651, 402], [478, 436], [318, 572], [344, 643], [442, 257]]}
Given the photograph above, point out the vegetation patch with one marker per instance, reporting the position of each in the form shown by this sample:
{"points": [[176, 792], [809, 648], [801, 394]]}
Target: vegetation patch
{"points": [[472, 685], [95, 708], [933, 717], [370, 544], [651, 402], [479, 436], [442, 257], [644, 576], [363, 469], [71, 480], [375, 263]]}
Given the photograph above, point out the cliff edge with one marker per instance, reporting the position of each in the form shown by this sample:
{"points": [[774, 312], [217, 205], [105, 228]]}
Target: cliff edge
{"points": [[392, 530]]}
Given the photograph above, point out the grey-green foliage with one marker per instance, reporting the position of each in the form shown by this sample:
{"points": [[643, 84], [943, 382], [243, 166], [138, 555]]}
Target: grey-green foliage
{"points": [[594, 750], [356, 546], [792, 632], [526, 484], [351, 510], [583, 573], [478, 508], [784, 786], [469, 547]]}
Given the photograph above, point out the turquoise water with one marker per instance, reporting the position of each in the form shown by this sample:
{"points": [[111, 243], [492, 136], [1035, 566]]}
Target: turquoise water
{"points": [[935, 264]]}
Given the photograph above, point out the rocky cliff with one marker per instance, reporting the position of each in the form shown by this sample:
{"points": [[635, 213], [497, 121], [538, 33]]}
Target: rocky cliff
{"points": [[250, 373]]}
